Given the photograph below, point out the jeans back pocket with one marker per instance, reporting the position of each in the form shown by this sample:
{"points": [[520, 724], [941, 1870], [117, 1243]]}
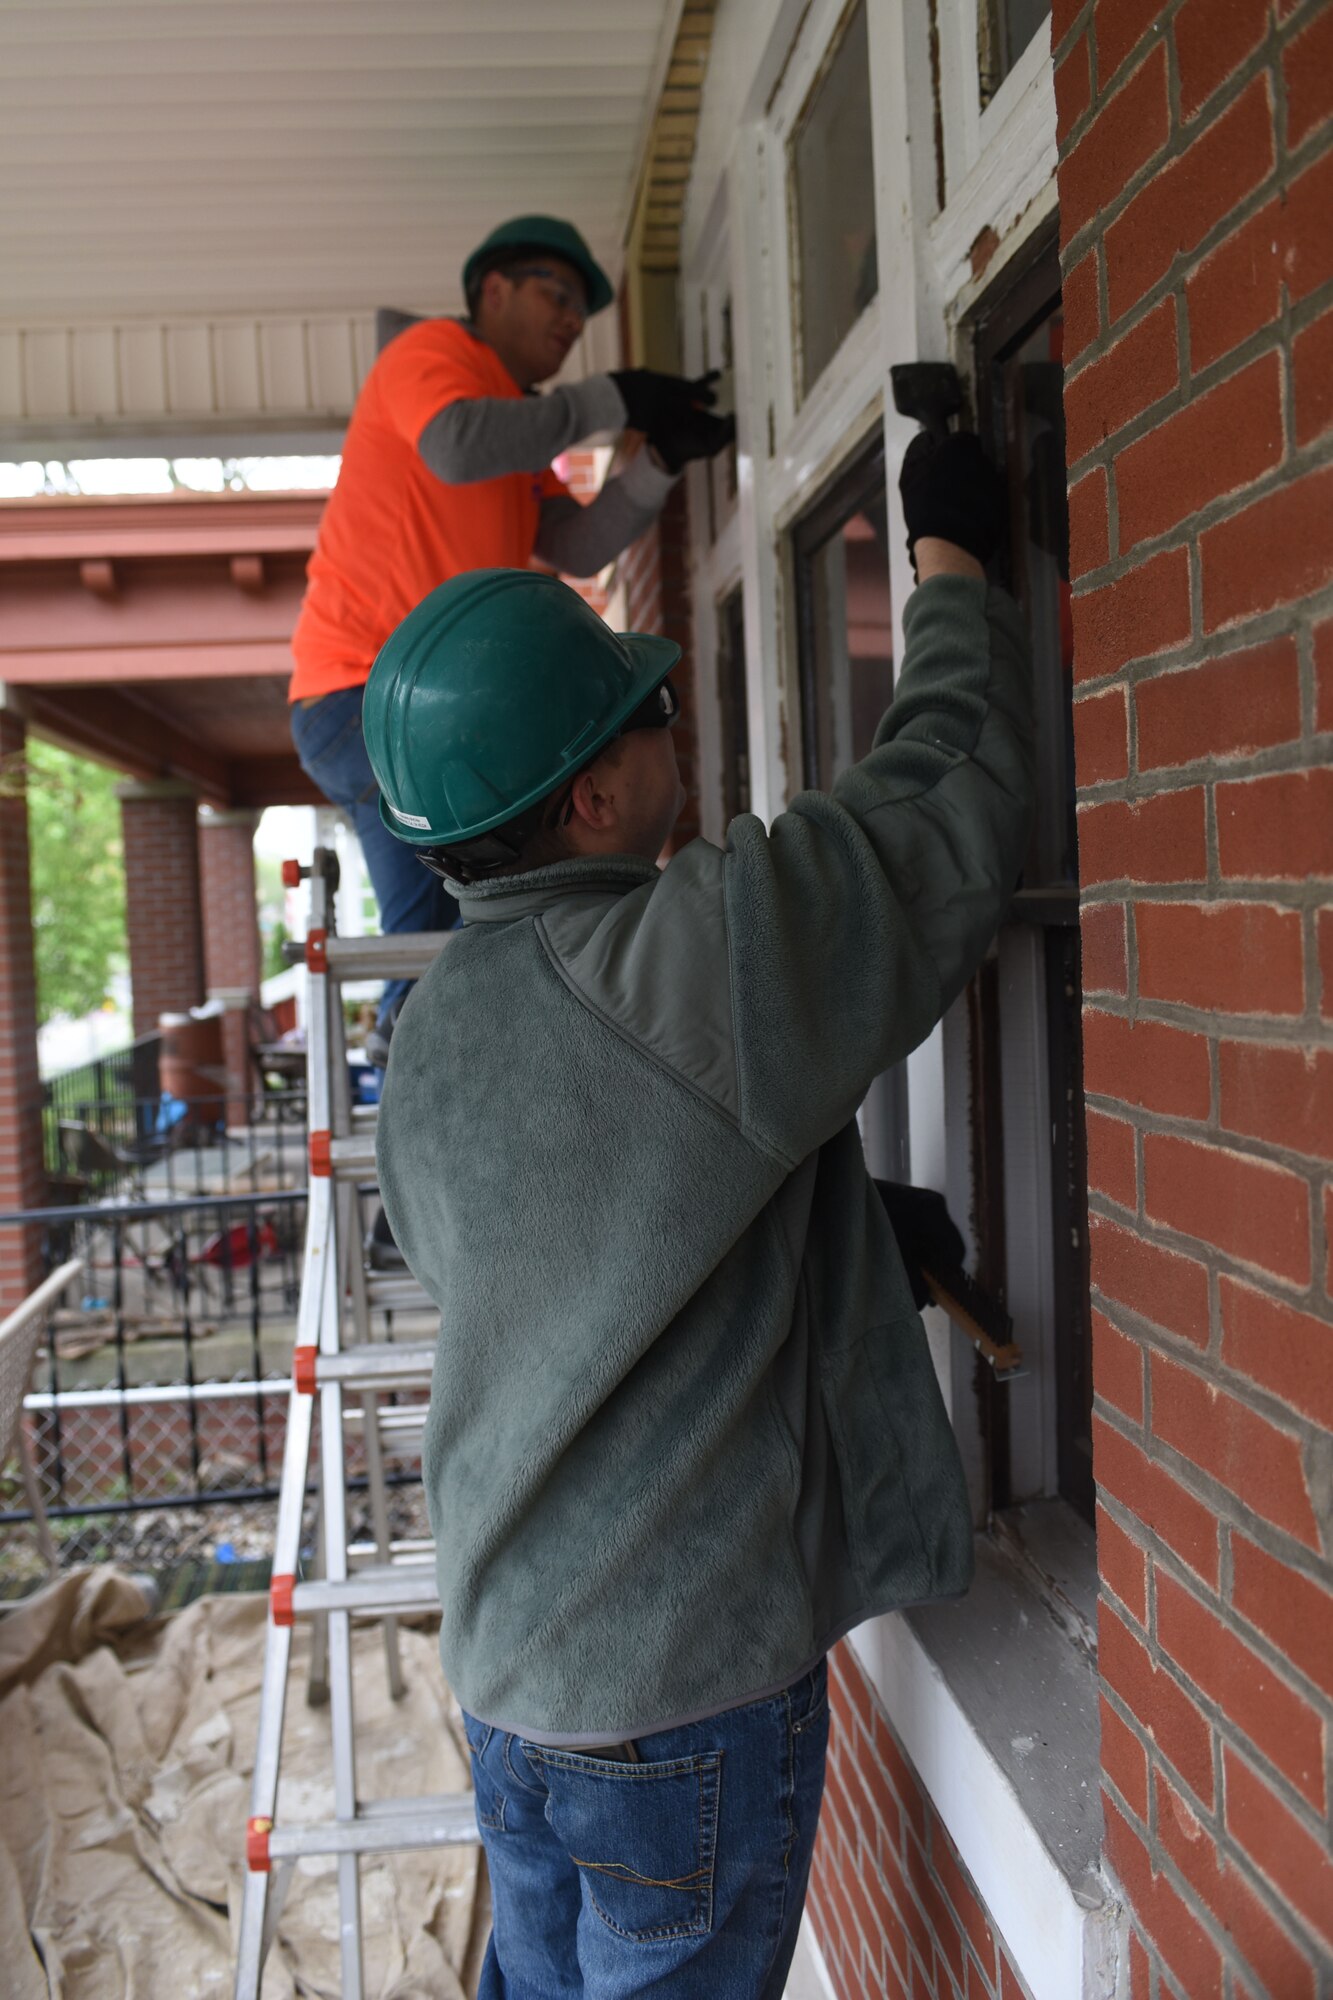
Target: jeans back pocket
{"points": [[643, 1837]]}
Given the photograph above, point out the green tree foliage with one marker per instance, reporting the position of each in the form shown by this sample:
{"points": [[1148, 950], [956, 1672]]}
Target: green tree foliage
{"points": [[78, 879]]}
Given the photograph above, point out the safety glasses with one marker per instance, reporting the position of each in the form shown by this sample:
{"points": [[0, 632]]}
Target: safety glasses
{"points": [[656, 711], [564, 296]]}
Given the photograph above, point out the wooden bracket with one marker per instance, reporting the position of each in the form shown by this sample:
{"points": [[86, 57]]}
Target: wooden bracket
{"points": [[247, 573], [99, 577]]}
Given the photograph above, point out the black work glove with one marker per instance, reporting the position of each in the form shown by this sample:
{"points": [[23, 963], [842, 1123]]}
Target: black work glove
{"points": [[951, 489], [654, 402], [928, 1239], [698, 434]]}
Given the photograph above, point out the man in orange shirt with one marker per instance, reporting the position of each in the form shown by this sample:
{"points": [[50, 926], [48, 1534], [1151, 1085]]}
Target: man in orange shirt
{"points": [[446, 468]]}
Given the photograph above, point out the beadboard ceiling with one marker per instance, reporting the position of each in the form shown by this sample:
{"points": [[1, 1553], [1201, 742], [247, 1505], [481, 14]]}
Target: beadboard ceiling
{"points": [[203, 201]]}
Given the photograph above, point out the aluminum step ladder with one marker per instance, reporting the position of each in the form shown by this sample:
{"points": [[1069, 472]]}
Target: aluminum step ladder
{"points": [[340, 1374]]}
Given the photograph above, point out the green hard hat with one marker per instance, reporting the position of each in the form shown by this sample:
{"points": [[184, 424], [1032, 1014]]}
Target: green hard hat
{"points": [[545, 232], [498, 686]]}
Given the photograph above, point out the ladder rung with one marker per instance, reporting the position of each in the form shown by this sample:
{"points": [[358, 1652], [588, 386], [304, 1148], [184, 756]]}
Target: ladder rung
{"points": [[415, 1559], [381, 1362], [400, 1440], [371, 1589], [398, 1295], [382, 1828], [353, 1158], [401, 955]]}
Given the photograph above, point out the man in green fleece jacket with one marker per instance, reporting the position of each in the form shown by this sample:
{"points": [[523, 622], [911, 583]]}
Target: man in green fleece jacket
{"points": [[684, 1430]]}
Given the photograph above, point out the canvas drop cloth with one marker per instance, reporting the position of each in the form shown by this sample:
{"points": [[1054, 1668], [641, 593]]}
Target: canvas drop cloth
{"points": [[126, 1746]]}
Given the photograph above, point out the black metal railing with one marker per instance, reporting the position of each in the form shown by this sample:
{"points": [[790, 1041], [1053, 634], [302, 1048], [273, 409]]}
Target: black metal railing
{"points": [[152, 1148], [117, 1095], [166, 1384], [180, 1295]]}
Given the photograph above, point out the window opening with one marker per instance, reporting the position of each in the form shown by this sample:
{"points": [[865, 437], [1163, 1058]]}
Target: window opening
{"points": [[717, 352], [831, 181], [1019, 357], [734, 705], [844, 622], [1004, 29]]}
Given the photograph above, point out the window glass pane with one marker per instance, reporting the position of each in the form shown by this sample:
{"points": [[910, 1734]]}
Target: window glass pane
{"points": [[833, 202], [735, 716], [1031, 409], [845, 622], [1020, 403], [1004, 29]]}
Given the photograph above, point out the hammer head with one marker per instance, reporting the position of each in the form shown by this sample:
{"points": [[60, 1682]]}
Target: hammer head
{"points": [[929, 391]]}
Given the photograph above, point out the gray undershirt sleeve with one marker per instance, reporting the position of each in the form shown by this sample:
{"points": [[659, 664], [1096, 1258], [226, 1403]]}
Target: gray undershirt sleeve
{"points": [[578, 541], [484, 437]]}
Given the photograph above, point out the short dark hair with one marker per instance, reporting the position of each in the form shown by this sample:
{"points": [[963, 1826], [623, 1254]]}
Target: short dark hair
{"points": [[534, 839], [504, 261]]}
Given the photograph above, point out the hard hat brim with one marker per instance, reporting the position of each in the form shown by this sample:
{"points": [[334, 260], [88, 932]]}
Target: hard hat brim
{"points": [[652, 657]]}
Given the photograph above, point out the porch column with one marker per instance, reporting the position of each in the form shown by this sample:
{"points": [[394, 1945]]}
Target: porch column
{"points": [[233, 957], [162, 900], [22, 1173]]}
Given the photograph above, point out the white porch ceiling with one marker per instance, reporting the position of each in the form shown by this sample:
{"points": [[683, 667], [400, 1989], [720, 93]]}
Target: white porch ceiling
{"points": [[203, 201]]}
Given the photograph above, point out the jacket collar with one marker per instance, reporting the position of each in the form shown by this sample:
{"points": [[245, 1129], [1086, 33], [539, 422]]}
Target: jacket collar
{"points": [[504, 900]]}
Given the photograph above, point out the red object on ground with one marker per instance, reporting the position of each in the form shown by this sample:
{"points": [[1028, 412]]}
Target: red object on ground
{"points": [[232, 1247]]}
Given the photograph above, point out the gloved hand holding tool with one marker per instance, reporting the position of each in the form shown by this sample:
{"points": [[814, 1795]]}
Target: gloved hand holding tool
{"points": [[951, 490], [675, 414]]}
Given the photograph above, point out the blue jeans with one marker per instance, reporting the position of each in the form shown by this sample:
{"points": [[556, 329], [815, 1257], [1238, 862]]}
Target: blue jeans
{"points": [[332, 751], [681, 1875]]}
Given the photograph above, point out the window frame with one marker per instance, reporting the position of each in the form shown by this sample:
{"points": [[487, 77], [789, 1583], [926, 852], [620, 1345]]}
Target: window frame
{"points": [[1058, 1937], [839, 396], [1047, 1450]]}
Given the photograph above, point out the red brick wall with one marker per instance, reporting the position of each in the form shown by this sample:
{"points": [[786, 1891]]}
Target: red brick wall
{"points": [[22, 1177], [890, 1901], [1196, 197], [162, 902]]}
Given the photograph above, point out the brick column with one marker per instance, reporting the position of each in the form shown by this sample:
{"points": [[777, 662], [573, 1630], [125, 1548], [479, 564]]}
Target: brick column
{"points": [[162, 900], [1196, 186], [22, 1174], [233, 955]]}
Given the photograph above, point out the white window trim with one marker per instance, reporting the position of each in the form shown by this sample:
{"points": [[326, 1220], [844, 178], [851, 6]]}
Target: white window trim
{"points": [[998, 161], [1065, 1944], [716, 567], [1000, 170]]}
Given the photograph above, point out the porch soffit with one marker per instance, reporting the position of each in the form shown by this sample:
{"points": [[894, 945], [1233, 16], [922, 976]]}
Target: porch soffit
{"points": [[202, 202]]}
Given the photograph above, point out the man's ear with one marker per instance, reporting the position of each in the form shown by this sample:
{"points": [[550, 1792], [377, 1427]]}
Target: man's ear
{"points": [[593, 796], [492, 291]]}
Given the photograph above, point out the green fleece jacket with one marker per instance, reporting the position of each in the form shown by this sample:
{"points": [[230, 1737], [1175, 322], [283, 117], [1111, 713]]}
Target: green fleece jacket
{"points": [[684, 1429]]}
